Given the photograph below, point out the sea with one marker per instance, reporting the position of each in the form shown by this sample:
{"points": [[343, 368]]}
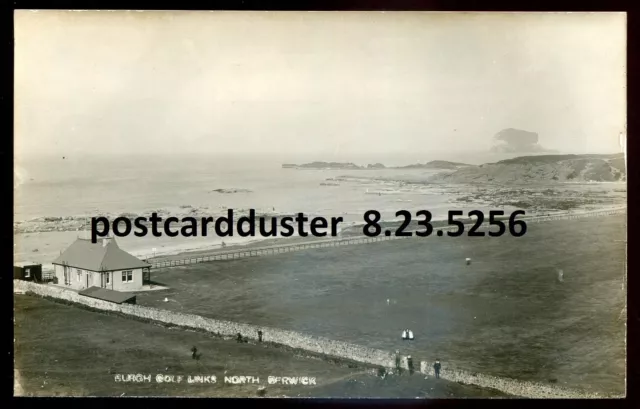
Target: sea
{"points": [[92, 185]]}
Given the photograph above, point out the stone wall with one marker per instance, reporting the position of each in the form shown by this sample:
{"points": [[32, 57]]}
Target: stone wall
{"points": [[524, 389], [291, 339]]}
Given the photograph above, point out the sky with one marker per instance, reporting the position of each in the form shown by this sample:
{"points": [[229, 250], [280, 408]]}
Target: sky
{"points": [[315, 82]]}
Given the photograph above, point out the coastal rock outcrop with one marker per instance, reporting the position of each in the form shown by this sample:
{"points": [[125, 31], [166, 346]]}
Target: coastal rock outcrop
{"points": [[232, 190], [436, 164], [322, 165], [513, 140]]}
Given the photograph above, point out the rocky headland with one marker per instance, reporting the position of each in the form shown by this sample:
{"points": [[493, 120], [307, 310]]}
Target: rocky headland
{"points": [[542, 169], [436, 164]]}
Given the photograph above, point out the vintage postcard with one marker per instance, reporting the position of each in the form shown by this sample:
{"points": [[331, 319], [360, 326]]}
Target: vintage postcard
{"points": [[320, 204]]}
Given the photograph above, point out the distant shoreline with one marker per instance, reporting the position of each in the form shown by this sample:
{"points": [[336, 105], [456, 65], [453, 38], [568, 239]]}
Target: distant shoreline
{"points": [[434, 164], [182, 250]]}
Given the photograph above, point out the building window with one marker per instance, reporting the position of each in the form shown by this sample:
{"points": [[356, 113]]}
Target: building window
{"points": [[127, 276], [108, 275], [27, 273], [79, 274]]}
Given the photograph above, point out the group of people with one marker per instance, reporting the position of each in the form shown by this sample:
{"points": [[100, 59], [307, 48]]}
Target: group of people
{"points": [[436, 365], [241, 339]]}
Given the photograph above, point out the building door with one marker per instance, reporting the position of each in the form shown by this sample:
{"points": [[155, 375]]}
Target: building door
{"points": [[87, 279]]}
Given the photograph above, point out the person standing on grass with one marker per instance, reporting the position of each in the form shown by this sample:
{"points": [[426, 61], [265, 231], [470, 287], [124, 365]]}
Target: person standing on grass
{"points": [[436, 368]]}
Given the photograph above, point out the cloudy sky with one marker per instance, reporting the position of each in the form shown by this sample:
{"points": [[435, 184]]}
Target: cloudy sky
{"points": [[230, 82]]}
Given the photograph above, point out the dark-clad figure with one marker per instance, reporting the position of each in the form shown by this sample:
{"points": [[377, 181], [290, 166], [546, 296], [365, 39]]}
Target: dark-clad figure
{"points": [[194, 352], [436, 368], [239, 337], [398, 361], [410, 364], [259, 336]]}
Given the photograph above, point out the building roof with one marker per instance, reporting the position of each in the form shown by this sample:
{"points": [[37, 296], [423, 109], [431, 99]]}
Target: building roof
{"points": [[100, 256], [25, 264], [106, 295]]}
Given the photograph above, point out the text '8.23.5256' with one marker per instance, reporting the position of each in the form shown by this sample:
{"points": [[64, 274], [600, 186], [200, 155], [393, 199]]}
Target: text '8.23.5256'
{"points": [[454, 226]]}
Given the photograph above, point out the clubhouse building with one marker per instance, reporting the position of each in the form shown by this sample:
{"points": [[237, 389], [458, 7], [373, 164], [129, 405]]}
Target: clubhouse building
{"points": [[105, 265]]}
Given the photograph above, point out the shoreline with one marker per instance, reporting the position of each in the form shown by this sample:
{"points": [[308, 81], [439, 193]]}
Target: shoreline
{"points": [[408, 184], [186, 250]]}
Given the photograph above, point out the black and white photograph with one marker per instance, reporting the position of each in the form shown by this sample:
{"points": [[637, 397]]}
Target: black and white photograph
{"points": [[294, 204]]}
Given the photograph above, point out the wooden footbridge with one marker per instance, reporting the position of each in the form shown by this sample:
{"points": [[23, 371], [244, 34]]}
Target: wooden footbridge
{"points": [[237, 253]]}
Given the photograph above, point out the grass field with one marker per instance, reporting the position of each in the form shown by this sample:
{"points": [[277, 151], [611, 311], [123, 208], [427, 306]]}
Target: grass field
{"points": [[506, 314], [62, 350]]}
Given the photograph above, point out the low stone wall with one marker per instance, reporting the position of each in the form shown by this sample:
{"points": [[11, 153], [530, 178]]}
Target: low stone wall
{"points": [[317, 345], [291, 339], [513, 387]]}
